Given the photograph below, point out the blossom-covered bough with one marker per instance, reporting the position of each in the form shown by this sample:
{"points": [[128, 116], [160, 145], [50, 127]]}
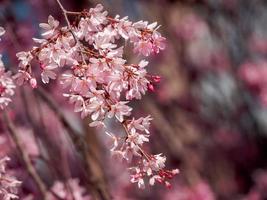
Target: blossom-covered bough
{"points": [[99, 81]]}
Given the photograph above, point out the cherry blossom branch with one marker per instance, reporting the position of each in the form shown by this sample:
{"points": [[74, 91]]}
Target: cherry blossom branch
{"points": [[25, 157], [73, 13], [151, 163], [65, 12], [97, 87]]}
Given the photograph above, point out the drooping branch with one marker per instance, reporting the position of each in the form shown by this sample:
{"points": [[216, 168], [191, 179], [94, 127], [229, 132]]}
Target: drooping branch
{"points": [[99, 88]]}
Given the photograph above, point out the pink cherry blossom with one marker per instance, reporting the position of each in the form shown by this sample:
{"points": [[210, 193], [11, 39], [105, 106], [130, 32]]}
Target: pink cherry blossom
{"points": [[119, 110], [50, 27], [48, 73], [99, 81], [25, 58]]}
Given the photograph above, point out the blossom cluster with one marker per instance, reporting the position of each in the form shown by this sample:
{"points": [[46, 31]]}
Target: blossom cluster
{"points": [[100, 82], [7, 85], [8, 184]]}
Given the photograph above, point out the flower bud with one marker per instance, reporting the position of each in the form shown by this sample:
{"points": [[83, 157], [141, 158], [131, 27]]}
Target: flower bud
{"points": [[156, 79], [151, 87], [33, 82]]}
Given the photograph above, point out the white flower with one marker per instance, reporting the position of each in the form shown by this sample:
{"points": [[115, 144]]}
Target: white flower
{"points": [[25, 58], [119, 110], [136, 138], [153, 179], [97, 16], [48, 73], [50, 27], [141, 124]]}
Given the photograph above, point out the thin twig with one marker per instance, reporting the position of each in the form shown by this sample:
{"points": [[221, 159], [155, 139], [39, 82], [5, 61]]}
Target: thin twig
{"points": [[73, 13]]}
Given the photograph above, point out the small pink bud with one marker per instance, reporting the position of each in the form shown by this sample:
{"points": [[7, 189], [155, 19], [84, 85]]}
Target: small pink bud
{"points": [[160, 180], [151, 87], [42, 66], [33, 82], [168, 185], [156, 79], [175, 171], [2, 89]]}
